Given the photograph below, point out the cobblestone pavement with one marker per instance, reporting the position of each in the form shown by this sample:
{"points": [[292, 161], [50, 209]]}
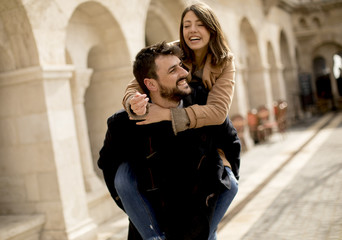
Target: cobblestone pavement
{"points": [[303, 200]]}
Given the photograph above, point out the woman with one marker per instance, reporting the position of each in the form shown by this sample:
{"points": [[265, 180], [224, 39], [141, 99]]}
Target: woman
{"points": [[207, 57], [209, 60]]}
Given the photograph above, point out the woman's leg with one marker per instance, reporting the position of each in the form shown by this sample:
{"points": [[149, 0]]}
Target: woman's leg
{"points": [[223, 202], [135, 203]]}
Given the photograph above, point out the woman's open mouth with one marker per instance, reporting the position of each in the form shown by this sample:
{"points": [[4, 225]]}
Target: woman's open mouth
{"points": [[194, 39]]}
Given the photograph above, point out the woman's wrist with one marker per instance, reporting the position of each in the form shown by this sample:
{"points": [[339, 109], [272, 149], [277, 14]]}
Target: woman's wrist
{"points": [[180, 120], [132, 114], [166, 114]]}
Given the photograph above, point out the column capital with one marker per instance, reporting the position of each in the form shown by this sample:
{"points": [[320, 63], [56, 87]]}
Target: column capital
{"points": [[36, 73], [280, 66], [79, 84]]}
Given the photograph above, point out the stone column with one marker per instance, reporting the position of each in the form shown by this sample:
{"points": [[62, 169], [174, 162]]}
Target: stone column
{"points": [[74, 222], [292, 93], [240, 94], [334, 89], [241, 97], [79, 84], [281, 82], [268, 91]]}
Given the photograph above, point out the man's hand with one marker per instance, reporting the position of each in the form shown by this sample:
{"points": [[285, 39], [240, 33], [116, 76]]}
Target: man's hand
{"points": [[156, 114], [139, 103]]}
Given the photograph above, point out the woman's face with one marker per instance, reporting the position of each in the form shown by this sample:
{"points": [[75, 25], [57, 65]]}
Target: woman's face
{"points": [[195, 34]]}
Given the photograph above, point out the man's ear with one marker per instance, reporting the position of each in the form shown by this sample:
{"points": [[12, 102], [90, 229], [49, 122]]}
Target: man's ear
{"points": [[151, 84]]}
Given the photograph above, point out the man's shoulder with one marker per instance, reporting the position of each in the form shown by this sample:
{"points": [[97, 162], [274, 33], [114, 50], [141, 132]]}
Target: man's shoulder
{"points": [[119, 116]]}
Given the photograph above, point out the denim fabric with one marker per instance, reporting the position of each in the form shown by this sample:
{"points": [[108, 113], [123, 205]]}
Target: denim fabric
{"points": [[135, 204], [222, 205]]}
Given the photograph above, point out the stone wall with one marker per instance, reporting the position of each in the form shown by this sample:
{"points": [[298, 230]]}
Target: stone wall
{"points": [[64, 66]]}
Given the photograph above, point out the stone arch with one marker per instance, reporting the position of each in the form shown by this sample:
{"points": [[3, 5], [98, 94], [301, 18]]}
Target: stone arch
{"points": [[162, 22], [17, 44], [97, 48], [251, 61]]}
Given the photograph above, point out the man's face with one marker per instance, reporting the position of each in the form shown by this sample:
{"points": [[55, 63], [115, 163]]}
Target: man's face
{"points": [[172, 78]]}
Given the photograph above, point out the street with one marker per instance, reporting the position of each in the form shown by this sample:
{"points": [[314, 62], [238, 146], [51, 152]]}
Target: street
{"points": [[290, 188], [299, 187]]}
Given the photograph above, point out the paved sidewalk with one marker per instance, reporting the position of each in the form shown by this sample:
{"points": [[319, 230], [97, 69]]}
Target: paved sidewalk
{"points": [[303, 197], [263, 208]]}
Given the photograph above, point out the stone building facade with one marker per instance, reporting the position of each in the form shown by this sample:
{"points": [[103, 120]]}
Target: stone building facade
{"points": [[64, 66]]}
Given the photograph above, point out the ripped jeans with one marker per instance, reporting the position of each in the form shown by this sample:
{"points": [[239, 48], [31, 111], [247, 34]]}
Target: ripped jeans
{"points": [[135, 204], [142, 214]]}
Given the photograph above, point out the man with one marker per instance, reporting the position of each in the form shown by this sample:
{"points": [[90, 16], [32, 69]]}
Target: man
{"points": [[169, 185]]}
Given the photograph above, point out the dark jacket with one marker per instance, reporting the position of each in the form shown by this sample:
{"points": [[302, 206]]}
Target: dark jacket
{"points": [[187, 167], [190, 153]]}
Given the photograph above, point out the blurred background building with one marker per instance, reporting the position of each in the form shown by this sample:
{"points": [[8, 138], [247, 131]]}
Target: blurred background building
{"points": [[64, 66]]}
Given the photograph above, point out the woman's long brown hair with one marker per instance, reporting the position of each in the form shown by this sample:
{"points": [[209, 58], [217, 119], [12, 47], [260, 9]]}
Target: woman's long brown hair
{"points": [[218, 46]]}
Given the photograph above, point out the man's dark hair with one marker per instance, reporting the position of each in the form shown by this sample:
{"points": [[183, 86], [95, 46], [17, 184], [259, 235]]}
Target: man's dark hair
{"points": [[144, 65]]}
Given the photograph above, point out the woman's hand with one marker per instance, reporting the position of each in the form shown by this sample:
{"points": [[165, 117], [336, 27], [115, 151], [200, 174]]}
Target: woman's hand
{"points": [[156, 114], [139, 103]]}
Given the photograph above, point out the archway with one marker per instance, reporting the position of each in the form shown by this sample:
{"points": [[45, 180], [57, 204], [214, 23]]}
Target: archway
{"points": [[251, 60], [162, 22], [322, 78], [323, 68], [98, 50], [17, 44]]}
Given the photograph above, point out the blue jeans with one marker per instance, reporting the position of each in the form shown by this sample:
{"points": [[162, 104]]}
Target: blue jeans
{"points": [[135, 204], [223, 202], [142, 214]]}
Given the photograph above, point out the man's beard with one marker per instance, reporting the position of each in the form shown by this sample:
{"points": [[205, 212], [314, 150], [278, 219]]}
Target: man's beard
{"points": [[174, 94]]}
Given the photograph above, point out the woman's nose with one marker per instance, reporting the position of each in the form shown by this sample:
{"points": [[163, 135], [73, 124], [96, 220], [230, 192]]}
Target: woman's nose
{"points": [[193, 28]]}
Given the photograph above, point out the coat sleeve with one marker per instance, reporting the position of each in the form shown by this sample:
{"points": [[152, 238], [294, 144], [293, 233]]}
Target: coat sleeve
{"points": [[219, 99], [229, 142]]}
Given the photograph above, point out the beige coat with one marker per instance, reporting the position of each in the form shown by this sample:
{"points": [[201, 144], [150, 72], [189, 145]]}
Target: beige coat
{"points": [[221, 81]]}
